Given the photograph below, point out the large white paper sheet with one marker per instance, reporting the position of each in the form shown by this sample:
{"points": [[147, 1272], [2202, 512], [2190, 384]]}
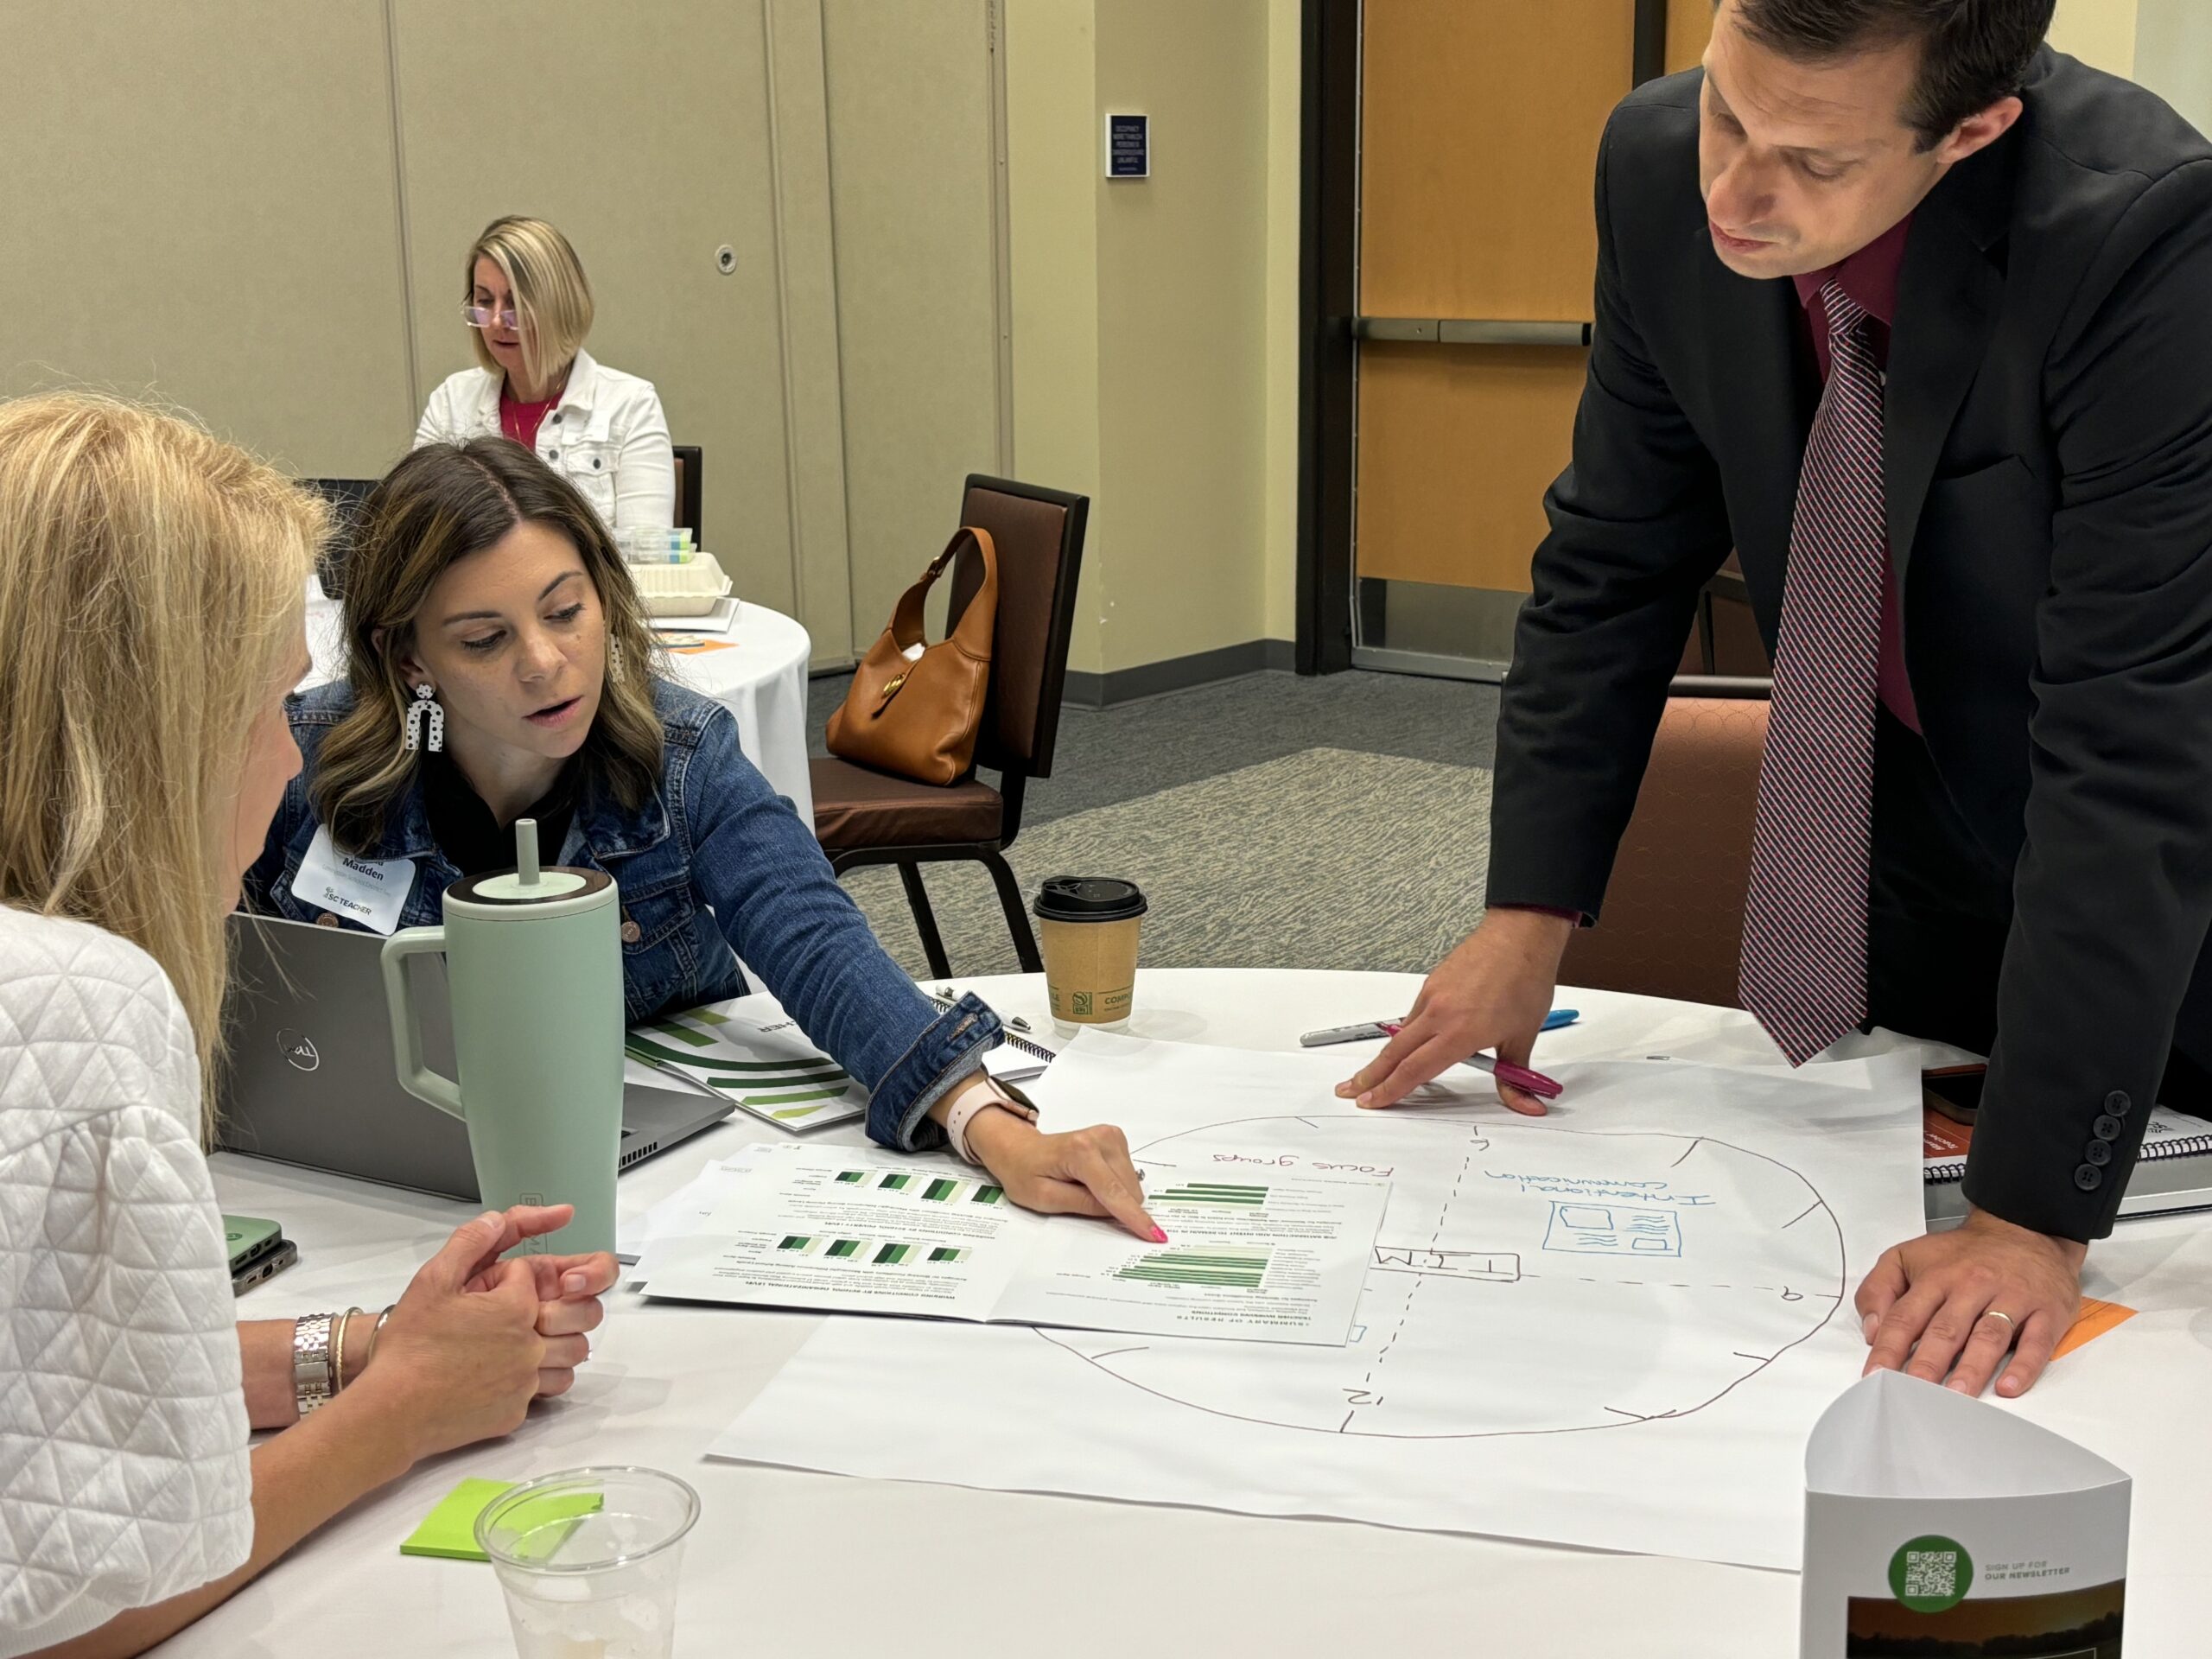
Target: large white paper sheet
{"points": [[1252, 1257], [1613, 1326]]}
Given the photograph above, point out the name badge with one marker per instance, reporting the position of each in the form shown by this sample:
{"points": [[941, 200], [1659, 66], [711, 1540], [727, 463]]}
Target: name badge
{"points": [[369, 891]]}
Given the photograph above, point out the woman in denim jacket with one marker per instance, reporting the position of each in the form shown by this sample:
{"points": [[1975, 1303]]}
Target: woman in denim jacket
{"points": [[499, 667]]}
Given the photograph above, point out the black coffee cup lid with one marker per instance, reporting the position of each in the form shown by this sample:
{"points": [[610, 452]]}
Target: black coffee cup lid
{"points": [[1089, 899]]}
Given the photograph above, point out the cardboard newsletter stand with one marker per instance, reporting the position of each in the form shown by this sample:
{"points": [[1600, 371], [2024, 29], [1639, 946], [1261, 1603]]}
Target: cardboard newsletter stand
{"points": [[1939, 1525]]}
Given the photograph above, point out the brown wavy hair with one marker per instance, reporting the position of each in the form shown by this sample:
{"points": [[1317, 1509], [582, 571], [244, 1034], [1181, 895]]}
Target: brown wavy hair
{"points": [[442, 502]]}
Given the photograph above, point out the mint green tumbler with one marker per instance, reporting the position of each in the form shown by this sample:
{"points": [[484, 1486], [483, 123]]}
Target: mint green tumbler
{"points": [[535, 965]]}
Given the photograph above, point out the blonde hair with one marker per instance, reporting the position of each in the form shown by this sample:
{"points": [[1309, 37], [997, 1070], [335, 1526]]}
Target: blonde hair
{"points": [[441, 504], [152, 580], [553, 305]]}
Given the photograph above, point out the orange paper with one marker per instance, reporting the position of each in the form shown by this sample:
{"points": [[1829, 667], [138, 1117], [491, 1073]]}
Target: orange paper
{"points": [[2096, 1318], [703, 645]]}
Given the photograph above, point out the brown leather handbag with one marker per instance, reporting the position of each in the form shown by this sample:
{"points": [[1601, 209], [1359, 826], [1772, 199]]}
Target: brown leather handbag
{"points": [[917, 715]]}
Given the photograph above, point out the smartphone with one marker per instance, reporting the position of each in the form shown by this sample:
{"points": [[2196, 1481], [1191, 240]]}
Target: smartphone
{"points": [[250, 1238], [267, 1265], [1954, 1091]]}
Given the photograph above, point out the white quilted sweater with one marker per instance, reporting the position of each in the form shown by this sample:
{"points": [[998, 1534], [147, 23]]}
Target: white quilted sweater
{"points": [[123, 1470]]}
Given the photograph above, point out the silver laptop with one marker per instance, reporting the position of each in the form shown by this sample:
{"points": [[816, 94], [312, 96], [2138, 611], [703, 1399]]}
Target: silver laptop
{"points": [[310, 1079]]}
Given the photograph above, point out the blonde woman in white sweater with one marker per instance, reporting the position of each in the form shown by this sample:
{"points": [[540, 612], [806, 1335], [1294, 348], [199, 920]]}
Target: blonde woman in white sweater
{"points": [[150, 598]]}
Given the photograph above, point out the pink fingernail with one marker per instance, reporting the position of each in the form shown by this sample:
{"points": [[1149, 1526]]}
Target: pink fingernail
{"points": [[1158, 1237], [1367, 1099], [575, 1283]]}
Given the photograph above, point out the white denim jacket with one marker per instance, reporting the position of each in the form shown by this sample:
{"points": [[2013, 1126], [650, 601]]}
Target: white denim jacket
{"points": [[607, 435]]}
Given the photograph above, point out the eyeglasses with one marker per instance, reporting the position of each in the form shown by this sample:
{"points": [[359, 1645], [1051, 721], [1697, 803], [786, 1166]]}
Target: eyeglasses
{"points": [[483, 316]]}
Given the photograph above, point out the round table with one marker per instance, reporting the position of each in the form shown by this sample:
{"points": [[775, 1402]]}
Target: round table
{"points": [[757, 670], [793, 1563]]}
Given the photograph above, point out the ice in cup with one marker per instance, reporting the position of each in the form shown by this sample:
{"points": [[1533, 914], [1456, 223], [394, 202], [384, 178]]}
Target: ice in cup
{"points": [[1088, 926], [588, 1559]]}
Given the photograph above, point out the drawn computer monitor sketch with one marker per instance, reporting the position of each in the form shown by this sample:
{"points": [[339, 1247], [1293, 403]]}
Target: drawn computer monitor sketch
{"points": [[1527, 1280]]}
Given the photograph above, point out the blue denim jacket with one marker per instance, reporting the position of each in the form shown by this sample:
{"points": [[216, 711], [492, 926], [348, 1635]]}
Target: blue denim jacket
{"points": [[716, 861]]}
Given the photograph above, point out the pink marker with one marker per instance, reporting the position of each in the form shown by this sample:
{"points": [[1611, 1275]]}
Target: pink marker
{"points": [[1504, 1070]]}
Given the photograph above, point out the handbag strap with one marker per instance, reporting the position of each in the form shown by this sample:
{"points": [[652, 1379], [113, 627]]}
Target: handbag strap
{"points": [[974, 629]]}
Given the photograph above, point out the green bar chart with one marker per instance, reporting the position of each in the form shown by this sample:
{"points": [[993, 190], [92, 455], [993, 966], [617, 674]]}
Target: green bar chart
{"points": [[1229, 1268], [1250, 1197]]}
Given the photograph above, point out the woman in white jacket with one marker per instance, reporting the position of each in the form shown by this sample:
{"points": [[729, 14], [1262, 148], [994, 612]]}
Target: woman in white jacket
{"points": [[529, 308], [150, 594]]}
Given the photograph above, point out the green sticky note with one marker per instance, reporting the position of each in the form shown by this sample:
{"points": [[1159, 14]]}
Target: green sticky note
{"points": [[449, 1530]]}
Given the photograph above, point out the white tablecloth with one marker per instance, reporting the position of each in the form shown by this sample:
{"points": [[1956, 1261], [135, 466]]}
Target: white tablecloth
{"points": [[757, 670], [789, 1563]]}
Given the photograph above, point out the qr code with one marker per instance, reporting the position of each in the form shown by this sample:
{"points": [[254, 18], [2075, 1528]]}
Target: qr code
{"points": [[1931, 1572]]}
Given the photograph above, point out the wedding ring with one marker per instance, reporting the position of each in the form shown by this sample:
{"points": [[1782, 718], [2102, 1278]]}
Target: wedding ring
{"points": [[1992, 1313]]}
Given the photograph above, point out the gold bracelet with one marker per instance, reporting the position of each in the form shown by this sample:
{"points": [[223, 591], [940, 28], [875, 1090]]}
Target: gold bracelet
{"points": [[337, 1349], [376, 1332]]}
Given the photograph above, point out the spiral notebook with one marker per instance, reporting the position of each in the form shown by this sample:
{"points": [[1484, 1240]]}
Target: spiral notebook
{"points": [[2173, 1173]]}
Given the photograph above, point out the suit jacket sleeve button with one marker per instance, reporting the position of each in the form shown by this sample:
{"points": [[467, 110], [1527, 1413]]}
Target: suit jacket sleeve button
{"points": [[2088, 1177], [2098, 1153], [2105, 1128], [2117, 1102]]}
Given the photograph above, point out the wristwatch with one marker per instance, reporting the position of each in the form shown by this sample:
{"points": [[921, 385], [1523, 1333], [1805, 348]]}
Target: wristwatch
{"points": [[1004, 1097], [311, 1377]]}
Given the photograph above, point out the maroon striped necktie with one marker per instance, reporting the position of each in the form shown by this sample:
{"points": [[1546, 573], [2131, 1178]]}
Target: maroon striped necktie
{"points": [[1803, 971]]}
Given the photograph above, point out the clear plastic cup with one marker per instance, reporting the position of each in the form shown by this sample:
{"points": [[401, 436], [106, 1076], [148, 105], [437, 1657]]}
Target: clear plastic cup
{"points": [[589, 1559]]}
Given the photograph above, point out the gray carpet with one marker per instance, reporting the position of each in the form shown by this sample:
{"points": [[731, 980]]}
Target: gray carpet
{"points": [[1113, 754], [1325, 858]]}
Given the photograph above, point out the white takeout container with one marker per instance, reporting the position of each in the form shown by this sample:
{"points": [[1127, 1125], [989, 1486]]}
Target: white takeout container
{"points": [[692, 589]]}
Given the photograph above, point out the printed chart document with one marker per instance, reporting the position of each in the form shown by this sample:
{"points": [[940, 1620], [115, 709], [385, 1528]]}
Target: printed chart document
{"points": [[1612, 1326], [1251, 1257], [748, 1049]]}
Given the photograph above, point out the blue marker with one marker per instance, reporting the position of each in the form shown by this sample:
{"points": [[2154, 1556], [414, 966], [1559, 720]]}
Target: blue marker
{"points": [[1558, 1017]]}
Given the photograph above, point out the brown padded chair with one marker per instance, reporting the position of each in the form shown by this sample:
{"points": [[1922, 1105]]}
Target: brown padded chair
{"points": [[865, 816], [689, 466], [1673, 922]]}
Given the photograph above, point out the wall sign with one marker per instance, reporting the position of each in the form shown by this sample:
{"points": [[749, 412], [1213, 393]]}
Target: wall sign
{"points": [[1128, 146]]}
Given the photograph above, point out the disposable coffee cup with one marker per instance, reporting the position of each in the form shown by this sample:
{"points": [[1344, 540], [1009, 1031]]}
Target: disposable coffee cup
{"points": [[1089, 925]]}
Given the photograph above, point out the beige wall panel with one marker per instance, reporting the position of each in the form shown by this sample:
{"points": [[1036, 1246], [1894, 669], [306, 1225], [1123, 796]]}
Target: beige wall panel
{"points": [[1689, 26], [2173, 55], [1052, 181], [1457, 446], [1182, 293], [200, 208], [914, 199], [643, 132], [1479, 135], [1285, 92]]}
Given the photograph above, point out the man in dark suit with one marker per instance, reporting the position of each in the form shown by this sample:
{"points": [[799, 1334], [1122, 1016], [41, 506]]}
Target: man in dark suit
{"points": [[1916, 316]]}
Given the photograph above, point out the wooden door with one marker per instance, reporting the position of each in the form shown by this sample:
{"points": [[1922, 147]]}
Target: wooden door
{"points": [[1479, 138]]}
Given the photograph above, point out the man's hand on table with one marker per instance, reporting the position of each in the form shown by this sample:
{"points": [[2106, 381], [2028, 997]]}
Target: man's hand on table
{"points": [[1930, 1305], [1492, 992]]}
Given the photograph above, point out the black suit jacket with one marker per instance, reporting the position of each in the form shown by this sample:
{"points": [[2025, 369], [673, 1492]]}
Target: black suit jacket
{"points": [[2047, 457]]}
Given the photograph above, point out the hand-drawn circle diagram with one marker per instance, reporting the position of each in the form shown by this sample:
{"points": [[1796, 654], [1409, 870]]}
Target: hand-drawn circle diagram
{"points": [[1526, 1280]]}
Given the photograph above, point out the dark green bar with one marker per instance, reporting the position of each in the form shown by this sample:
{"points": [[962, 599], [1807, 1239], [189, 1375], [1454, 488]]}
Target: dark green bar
{"points": [[894, 1183], [890, 1253], [845, 1247], [854, 1175], [987, 1195], [945, 1254], [793, 1241], [938, 1192]]}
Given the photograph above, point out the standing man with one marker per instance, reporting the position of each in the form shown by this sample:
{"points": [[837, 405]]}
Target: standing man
{"points": [[1916, 316]]}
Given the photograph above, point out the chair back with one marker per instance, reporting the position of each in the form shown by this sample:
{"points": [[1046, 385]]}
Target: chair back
{"points": [[346, 497], [687, 487], [1673, 923], [1038, 534]]}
